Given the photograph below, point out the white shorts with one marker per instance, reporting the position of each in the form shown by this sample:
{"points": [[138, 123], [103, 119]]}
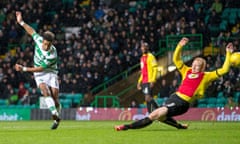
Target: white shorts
{"points": [[50, 79]]}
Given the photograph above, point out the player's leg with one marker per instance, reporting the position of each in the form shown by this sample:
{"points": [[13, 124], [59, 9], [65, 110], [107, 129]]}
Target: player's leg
{"points": [[53, 85], [176, 106], [135, 125], [54, 92], [55, 96], [159, 113], [172, 122], [44, 82], [48, 98], [151, 103]]}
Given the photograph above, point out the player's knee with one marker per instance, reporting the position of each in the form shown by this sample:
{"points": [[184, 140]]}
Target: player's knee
{"points": [[148, 98]]}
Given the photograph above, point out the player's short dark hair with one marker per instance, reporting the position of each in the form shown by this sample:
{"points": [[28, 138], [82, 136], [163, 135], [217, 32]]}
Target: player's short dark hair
{"points": [[49, 36], [145, 44]]}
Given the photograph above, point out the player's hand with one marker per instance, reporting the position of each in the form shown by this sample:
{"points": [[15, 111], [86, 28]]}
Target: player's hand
{"points": [[19, 16], [139, 86], [229, 47], [18, 67], [152, 84], [183, 41]]}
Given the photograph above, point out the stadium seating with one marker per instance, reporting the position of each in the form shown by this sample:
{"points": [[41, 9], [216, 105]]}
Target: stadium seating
{"points": [[160, 101], [202, 105], [220, 105], [212, 100], [221, 101], [236, 96], [106, 101], [68, 99], [3, 102], [142, 105], [202, 101], [77, 98], [66, 103], [220, 94], [211, 105]]}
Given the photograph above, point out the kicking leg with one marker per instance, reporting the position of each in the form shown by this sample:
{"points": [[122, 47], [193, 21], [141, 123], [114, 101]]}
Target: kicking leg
{"points": [[54, 93], [55, 96], [50, 104]]}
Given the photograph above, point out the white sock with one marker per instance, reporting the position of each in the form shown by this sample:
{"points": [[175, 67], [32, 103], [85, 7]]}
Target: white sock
{"points": [[51, 105]]}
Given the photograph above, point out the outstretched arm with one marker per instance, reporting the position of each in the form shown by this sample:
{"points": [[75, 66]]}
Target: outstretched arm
{"points": [[22, 68], [226, 66], [177, 53], [27, 27], [139, 87]]}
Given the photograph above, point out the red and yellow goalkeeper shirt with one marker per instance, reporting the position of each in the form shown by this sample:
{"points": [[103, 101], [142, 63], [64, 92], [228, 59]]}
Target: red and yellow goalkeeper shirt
{"points": [[148, 66], [194, 85]]}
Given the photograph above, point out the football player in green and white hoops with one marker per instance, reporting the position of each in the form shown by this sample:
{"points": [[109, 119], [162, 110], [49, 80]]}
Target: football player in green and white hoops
{"points": [[45, 68]]}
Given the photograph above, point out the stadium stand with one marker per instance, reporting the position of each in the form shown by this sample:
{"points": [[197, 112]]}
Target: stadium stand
{"points": [[128, 22]]}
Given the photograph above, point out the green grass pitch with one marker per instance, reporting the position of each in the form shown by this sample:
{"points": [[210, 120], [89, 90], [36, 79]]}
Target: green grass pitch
{"points": [[102, 132]]}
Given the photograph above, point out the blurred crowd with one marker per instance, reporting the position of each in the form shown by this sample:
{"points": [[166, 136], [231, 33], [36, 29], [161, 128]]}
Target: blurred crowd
{"points": [[98, 39]]}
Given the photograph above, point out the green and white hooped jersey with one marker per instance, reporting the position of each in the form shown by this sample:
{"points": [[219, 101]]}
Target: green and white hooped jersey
{"points": [[45, 59]]}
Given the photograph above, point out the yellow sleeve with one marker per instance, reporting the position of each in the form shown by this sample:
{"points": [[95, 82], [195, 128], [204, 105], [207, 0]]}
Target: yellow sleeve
{"points": [[140, 78], [179, 62], [226, 66], [177, 57], [154, 69], [213, 75]]}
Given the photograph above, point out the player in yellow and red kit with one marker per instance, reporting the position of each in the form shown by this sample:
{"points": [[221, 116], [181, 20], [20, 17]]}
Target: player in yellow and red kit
{"points": [[148, 76], [194, 83]]}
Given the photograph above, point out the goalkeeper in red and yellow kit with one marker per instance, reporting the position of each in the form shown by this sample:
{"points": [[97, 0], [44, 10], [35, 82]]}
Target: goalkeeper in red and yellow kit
{"points": [[194, 83]]}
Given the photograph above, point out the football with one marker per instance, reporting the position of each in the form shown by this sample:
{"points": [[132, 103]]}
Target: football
{"points": [[235, 59]]}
